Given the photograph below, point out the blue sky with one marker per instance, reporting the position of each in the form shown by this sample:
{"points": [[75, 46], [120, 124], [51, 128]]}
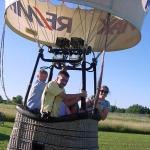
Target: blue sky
{"points": [[126, 72]]}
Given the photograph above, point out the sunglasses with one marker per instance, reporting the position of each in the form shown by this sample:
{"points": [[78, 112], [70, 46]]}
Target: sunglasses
{"points": [[103, 91]]}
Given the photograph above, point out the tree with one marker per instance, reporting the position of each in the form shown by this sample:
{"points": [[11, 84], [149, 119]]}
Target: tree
{"points": [[121, 110], [1, 99], [17, 100], [113, 108], [137, 109]]}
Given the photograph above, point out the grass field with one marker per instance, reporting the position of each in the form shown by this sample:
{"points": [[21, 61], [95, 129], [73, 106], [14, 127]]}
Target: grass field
{"points": [[118, 122], [107, 140], [123, 141], [134, 123], [129, 123], [8, 109], [5, 131]]}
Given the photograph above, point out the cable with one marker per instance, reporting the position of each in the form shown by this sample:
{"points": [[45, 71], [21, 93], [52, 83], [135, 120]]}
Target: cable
{"points": [[2, 61], [102, 65]]}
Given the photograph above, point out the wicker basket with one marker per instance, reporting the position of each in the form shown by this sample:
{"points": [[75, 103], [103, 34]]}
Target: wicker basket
{"points": [[31, 134]]}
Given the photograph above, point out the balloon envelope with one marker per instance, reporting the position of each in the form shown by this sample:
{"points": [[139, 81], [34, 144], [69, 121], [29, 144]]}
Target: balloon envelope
{"points": [[44, 21]]}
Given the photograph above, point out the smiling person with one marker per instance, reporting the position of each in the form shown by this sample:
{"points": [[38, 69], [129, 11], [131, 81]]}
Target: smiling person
{"points": [[103, 105], [55, 102]]}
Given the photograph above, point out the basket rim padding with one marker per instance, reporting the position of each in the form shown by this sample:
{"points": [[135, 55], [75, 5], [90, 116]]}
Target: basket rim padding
{"points": [[72, 117]]}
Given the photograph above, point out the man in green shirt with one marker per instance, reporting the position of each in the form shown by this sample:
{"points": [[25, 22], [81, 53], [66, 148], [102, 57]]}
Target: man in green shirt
{"points": [[54, 99]]}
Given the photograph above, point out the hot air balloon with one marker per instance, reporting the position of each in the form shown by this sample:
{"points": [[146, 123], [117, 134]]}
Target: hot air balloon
{"points": [[72, 29]]}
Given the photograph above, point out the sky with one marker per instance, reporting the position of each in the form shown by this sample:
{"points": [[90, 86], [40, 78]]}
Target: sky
{"points": [[126, 73]]}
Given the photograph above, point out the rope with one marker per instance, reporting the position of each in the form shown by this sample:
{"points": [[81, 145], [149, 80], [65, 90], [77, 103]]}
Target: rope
{"points": [[102, 66], [99, 81], [2, 62]]}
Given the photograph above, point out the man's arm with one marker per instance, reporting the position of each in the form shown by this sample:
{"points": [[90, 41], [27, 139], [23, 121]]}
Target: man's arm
{"points": [[71, 99]]}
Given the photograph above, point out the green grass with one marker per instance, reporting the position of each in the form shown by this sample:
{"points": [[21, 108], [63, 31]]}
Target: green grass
{"points": [[107, 140], [123, 141], [5, 131], [117, 122], [130, 123], [8, 109]]}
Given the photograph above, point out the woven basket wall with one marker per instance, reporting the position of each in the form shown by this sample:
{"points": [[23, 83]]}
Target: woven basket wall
{"points": [[29, 134]]}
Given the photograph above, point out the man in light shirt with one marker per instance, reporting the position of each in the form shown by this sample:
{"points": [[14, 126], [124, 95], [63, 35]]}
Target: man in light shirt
{"points": [[55, 101], [34, 99]]}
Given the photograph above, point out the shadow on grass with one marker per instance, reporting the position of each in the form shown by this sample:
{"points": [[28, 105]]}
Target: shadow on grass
{"points": [[4, 137]]}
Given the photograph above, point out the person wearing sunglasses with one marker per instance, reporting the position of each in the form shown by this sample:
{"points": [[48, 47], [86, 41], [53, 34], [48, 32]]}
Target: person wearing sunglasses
{"points": [[103, 105]]}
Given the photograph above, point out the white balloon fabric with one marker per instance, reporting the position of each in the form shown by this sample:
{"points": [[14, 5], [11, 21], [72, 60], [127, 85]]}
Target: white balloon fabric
{"points": [[9, 2], [44, 21], [131, 10]]}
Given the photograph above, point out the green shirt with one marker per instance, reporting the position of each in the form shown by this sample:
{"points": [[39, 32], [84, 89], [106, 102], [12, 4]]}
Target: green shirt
{"points": [[51, 100]]}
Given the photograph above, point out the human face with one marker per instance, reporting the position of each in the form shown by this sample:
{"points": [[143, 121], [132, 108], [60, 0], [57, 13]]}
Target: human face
{"points": [[42, 76], [103, 92], [62, 80]]}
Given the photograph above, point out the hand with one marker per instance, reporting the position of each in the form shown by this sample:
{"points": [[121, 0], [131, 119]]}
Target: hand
{"points": [[91, 102], [83, 93]]}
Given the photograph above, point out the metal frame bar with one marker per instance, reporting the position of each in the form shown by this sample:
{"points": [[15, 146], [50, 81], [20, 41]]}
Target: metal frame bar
{"points": [[40, 54], [83, 68]]}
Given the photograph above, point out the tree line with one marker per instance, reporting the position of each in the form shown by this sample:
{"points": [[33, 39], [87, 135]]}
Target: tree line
{"points": [[15, 100], [137, 109]]}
